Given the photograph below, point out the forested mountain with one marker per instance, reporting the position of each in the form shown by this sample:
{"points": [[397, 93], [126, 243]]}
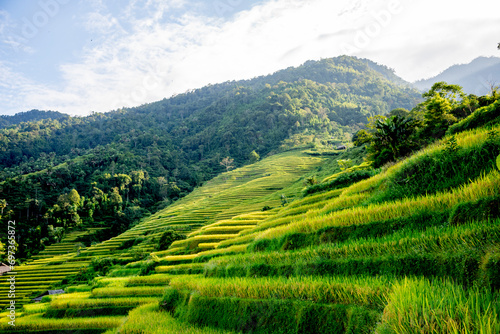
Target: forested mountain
{"points": [[108, 168], [476, 77], [29, 116]]}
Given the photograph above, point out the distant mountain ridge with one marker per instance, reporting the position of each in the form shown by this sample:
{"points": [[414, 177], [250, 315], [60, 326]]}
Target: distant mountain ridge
{"points": [[475, 77], [29, 116]]}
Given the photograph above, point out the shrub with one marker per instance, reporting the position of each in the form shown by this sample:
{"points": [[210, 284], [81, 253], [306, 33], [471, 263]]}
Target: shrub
{"points": [[167, 238], [147, 267], [480, 117]]}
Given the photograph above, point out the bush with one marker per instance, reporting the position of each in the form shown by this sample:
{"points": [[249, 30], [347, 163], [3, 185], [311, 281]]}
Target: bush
{"points": [[167, 238], [103, 265], [173, 299], [480, 117], [46, 299], [147, 267]]}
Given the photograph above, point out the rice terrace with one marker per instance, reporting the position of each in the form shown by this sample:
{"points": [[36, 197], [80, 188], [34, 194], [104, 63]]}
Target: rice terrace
{"points": [[335, 195]]}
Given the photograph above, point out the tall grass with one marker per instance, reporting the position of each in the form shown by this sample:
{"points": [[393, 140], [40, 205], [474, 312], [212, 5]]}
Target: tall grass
{"points": [[35, 322], [185, 268], [421, 306], [99, 302], [149, 319], [366, 291], [485, 186], [160, 279], [127, 292], [35, 308]]}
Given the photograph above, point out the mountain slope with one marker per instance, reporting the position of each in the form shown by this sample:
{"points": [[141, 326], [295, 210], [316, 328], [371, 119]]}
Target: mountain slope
{"points": [[475, 77], [129, 162], [29, 116], [381, 255]]}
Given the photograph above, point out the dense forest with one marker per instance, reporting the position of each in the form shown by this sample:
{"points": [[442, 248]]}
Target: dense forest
{"points": [[110, 169], [29, 116]]}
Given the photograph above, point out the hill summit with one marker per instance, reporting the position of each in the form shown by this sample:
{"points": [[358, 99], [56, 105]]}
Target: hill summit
{"points": [[477, 77]]}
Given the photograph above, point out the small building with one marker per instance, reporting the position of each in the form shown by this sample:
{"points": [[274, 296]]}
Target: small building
{"points": [[4, 269], [47, 293], [341, 147]]}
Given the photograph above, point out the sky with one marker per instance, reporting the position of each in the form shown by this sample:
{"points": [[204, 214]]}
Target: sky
{"points": [[79, 56]]}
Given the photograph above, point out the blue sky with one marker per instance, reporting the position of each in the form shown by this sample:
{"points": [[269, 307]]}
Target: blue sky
{"points": [[78, 56]]}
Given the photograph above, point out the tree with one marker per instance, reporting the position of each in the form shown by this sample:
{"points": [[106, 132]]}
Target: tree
{"points": [[394, 134], [115, 199], [345, 163], [167, 238], [441, 100], [388, 137], [3, 205], [74, 198], [254, 156], [401, 112], [228, 163]]}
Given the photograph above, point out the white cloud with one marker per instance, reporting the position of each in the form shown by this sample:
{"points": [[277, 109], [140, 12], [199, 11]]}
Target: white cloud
{"points": [[143, 55]]}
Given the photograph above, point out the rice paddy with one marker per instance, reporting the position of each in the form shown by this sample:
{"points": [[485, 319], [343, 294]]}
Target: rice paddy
{"points": [[337, 261]]}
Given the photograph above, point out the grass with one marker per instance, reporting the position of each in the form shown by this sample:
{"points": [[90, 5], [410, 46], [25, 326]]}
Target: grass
{"points": [[127, 292], [83, 303], [366, 291], [375, 256], [159, 279], [485, 186], [422, 306], [475, 235], [149, 319], [36, 322]]}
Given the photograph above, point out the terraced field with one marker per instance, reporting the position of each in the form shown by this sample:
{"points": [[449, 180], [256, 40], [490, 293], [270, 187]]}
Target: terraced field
{"points": [[53, 264], [205, 214], [390, 254]]}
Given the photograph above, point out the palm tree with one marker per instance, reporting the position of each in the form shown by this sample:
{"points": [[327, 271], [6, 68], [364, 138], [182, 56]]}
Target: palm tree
{"points": [[394, 133]]}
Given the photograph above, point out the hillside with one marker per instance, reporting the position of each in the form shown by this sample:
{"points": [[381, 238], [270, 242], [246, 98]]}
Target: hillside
{"points": [[29, 116], [399, 232], [109, 170], [475, 77], [392, 253]]}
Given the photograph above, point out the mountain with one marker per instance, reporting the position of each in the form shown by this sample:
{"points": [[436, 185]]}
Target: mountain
{"points": [[251, 252], [475, 77], [29, 116], [306, 239], [110, 169]]}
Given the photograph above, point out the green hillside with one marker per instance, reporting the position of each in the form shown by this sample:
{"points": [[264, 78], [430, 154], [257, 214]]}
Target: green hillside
{"points": [[398, 232], [388, 254], [130, 163]]}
